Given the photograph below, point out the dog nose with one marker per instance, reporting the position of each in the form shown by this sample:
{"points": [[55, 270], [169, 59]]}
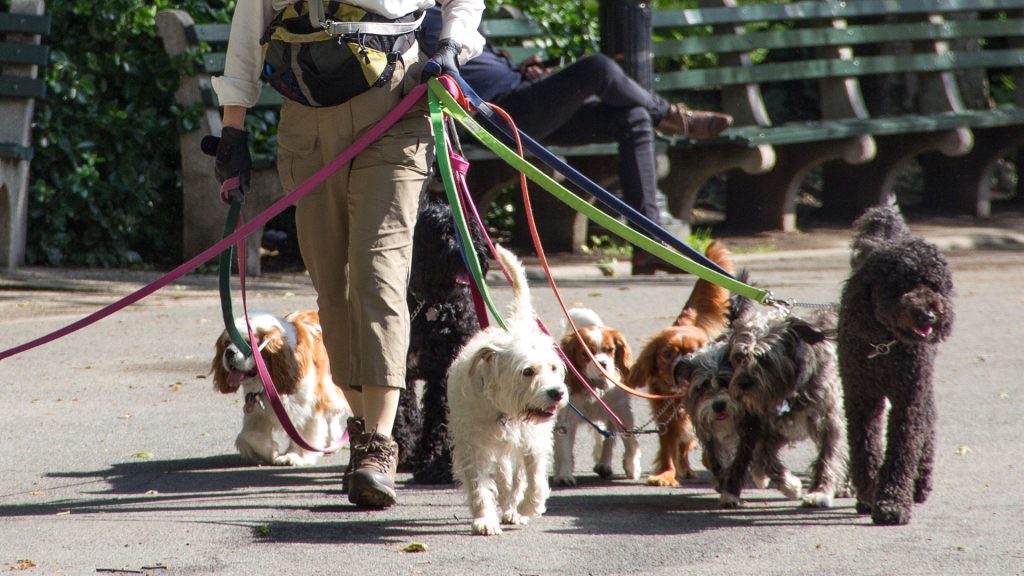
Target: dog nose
{"points": [[929, 316], [718, 406], [556, 394]]}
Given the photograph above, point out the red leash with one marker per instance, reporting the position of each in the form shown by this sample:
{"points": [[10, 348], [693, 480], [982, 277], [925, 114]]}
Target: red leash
{"points": [[276, 208]]}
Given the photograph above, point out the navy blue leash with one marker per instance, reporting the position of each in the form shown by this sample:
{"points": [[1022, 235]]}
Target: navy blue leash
{"points": [[616, 205]]}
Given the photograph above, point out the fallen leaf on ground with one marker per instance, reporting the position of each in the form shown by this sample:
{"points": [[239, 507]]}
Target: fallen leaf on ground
{"points": [[414, 547]]}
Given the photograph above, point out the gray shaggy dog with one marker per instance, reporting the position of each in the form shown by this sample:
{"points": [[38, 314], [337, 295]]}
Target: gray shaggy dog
{"points": [[785, 376], [896, 306]]}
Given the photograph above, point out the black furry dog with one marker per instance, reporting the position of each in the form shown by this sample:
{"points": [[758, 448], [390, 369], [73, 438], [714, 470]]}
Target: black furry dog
{"points": [[443, 319], [896, 307]]}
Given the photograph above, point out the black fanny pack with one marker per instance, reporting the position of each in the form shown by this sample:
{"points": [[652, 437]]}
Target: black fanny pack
{"points": [[326, 65]]}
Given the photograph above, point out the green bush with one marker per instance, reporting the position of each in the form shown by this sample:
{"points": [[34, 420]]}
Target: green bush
{"points": [[105, 185]]}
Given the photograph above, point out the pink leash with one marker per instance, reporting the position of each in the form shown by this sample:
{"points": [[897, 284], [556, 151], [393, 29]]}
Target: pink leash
{"points": [[240, 233]]}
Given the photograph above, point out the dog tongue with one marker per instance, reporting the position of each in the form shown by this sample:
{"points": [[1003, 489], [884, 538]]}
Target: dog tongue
{"points": [[924, 332], [235, 378]]}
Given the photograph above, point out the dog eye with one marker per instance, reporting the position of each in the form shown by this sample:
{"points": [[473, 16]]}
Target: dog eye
{"points": [[745, 383], [668, 353], [529, 372]]}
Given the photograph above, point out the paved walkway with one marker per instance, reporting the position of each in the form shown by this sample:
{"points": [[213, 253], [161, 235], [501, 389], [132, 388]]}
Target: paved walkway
{"points": [[118, 458]]}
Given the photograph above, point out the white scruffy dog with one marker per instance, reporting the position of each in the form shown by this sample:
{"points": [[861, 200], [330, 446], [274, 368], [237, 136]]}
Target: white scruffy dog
{"points": [[504, 390]]}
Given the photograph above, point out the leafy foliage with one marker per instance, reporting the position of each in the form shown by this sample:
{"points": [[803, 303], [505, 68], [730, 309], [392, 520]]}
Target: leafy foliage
{"points": [[106, 178]]}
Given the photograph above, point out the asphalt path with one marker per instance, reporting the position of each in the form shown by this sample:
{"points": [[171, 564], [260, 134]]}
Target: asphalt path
{"points": [[117, 454]]}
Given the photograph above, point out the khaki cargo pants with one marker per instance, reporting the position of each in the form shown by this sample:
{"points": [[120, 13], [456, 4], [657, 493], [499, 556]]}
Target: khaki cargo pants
{"points": [[355, 230]]}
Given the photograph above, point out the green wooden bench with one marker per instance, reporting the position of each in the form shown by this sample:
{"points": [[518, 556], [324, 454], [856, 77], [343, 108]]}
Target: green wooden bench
{"points": [[838, 50], [21, 55]]}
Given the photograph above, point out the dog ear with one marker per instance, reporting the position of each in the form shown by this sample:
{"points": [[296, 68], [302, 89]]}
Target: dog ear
{"points": [[220, 374], [682, 372], [282, 365], [807, 332], [485, 355], [623, 353], [646, 363]]}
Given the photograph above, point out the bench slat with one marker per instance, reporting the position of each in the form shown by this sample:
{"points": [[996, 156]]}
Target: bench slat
{"points": [[17, 53], [815, 10], [818, 69], [212, 33], [15, 151], [24, 23], [22, 87], [851, 36], [511, 28]]}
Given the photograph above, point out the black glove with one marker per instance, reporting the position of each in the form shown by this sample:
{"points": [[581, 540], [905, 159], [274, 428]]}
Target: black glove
{"points": [[444, 60], [232, 153]]}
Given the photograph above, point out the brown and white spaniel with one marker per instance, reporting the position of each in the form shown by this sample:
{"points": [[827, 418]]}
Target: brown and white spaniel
{"points": [[293, 350]]}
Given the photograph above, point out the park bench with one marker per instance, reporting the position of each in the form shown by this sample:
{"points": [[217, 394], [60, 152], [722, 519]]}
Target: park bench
{"points": [[21, 55], [948, 52]]}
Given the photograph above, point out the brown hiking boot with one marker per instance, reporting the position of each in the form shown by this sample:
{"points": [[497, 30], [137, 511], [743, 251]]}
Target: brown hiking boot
{"points": [[355, 428], [695, 124], [372, 483]]}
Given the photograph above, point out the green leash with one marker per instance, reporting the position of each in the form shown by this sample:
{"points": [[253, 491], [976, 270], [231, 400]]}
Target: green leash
{"points": [[224, 269], [445, 166], [447, 104]]}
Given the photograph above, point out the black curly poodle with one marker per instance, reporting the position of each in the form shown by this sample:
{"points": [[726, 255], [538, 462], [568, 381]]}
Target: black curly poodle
{"points": [[443, 319], [896, 306]]}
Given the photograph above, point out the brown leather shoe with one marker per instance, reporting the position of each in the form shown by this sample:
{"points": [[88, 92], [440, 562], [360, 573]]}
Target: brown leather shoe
{"points": [[696, 124], [647, 264], [355, 428], [372, 483]]}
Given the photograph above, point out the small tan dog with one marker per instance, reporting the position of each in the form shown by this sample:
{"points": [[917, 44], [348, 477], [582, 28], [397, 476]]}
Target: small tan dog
{"points": [[504, 391], [293, 350]]}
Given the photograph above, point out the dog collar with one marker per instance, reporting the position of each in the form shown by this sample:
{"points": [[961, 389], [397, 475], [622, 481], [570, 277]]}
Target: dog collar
{"points": [[251, 400], [881, 349]]}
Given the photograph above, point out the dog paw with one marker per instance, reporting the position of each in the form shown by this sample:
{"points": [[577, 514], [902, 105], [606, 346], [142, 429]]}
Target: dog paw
{"points": [[890, 514], [564, 481], [791, 487], [486, 526], [514, 518], [727, 500], [760, 480], [603, 470], [632, 473], [818, 500], [289, 459], [668, 479], [862, 507]]}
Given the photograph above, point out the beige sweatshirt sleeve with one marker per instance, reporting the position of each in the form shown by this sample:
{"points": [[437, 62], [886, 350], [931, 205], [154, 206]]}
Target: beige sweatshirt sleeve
{"points": [[240, 85]]}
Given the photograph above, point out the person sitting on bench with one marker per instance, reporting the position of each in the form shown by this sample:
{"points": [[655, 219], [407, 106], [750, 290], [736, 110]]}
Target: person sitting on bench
{"points": [[590, 100]]}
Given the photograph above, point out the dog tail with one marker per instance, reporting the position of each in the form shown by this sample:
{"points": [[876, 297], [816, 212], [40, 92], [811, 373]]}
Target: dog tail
{"points": [[877, 226], [708, 305], [521, 309]]}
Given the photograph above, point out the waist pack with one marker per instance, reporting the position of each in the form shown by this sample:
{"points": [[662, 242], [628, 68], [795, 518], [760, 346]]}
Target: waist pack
{"points": [[326, 65]]}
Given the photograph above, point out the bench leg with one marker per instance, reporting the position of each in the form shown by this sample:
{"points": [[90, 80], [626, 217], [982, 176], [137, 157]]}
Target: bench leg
{"points": [[849, 190], [965, 186], [691, 168], [13, 212], [768, 202]]}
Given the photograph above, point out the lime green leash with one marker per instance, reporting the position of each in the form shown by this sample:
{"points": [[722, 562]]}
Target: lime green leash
{"points": [[441, 100]]}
